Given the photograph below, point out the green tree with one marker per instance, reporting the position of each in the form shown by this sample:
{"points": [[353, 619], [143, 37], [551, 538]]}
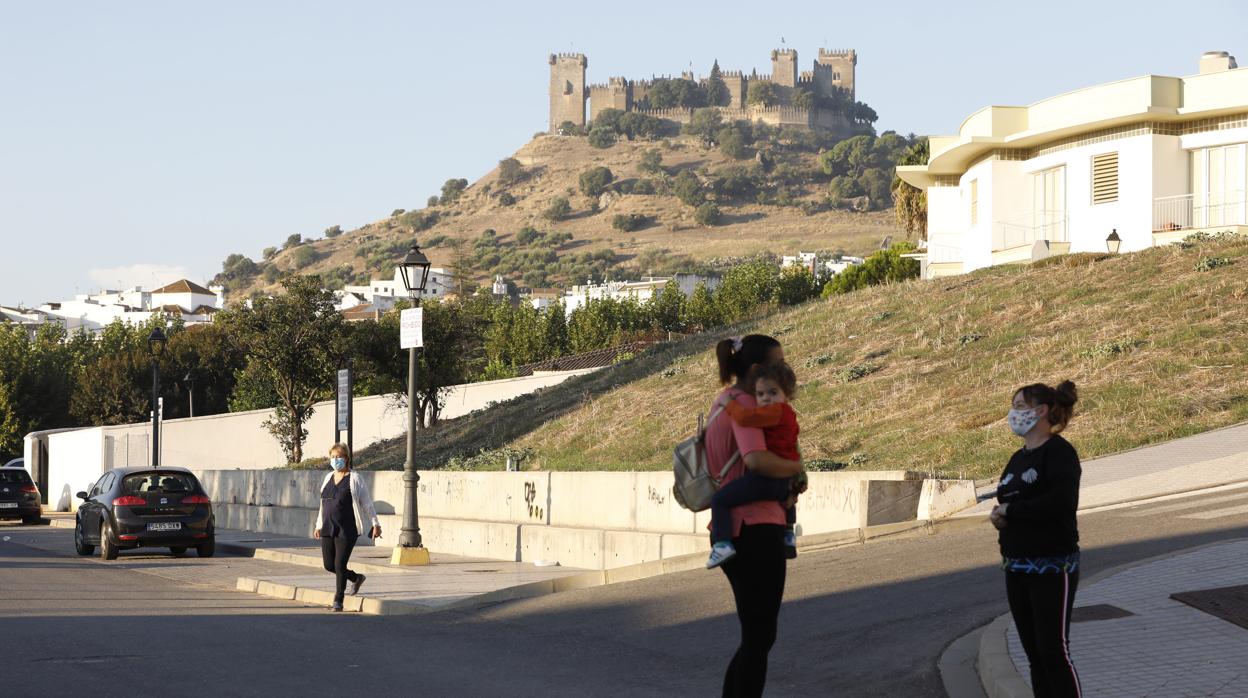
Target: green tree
{"points": [[803, 98], [910, 203], [707, 214], [558, 209], [601, 137], [292, 241], [667, 307], [269, 253], [688, 189], [637, 125], [717, 94], [732, 142], [111, 392], [762, 93], [510, 171], [452, 189], [704, 123], [844, 187], [882, 267], [236, 269], [796, 285], [333, 231], [746, 287], [628, 222], [303, 257], [651, 161], [701, 310], [506, 199], [608, 118], [594, 181], [293, 343]]}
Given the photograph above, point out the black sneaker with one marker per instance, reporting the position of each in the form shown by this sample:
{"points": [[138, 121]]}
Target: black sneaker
{"points": [[355, 586], [790, 545]]}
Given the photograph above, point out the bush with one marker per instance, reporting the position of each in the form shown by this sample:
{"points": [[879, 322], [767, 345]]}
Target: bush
{"points": [[303, 257], [688, 189], [594, 181], [431, 201], [707, 214], [292, 241], [269, 252], [419, 220], [506, 199], [628, 222], [1209, 263], [398, 212], [452, 188], [651, 161], [600, 137], [333, 231], [644, 187], [510, 171], [271, 273], [558, 209], [527, 235]]}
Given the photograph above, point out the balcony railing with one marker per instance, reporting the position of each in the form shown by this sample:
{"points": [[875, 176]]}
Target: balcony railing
{"points": [[1205, 210], [1040, 225], [943, 254]]}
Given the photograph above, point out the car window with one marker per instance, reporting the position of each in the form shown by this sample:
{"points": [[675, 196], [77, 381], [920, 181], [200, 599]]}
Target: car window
{"points": [[98, 487], [14, 476], [167, 482]]}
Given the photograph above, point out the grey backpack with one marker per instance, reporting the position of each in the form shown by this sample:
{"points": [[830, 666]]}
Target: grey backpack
{"points": [[694, 485]]}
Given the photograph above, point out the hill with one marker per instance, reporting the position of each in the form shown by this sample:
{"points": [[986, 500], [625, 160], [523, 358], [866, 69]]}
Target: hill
{"points": [[918, 375], [795, 216]]}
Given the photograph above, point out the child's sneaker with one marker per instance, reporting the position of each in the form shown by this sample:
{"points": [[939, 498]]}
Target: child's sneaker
{"points": [[721, 553], [790, 544]]}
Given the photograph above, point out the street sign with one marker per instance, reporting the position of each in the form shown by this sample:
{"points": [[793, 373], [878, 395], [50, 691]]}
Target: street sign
{"points": [[343, 406], [411, 328]]}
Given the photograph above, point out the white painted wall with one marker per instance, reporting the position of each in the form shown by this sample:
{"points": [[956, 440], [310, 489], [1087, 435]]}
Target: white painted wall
{"points": [[74, 464]]}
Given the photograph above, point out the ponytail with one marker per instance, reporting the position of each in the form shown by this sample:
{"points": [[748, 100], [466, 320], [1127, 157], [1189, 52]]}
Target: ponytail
{"points": [[1060, 401], [736, 355]]}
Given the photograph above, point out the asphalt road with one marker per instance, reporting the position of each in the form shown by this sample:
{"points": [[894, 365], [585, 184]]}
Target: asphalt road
{"points": [[862, 621]]}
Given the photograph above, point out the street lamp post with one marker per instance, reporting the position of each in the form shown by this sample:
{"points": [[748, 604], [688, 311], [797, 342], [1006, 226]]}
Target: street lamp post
{"points": [[190, 390], [156, 347], [1113, 242], [415, 272]]}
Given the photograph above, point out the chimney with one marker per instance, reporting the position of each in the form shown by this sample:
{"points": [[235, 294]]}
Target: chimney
{"points": [[1216, 62]]}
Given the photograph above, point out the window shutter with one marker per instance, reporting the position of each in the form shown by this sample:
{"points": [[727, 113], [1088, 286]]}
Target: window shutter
{"points": [[1104, 178], [974, 202]]}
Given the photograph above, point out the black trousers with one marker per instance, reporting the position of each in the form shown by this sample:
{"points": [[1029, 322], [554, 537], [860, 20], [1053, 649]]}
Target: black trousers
{"points": [[756, 574], [750, 487], [336, 552], [1041, 605]]}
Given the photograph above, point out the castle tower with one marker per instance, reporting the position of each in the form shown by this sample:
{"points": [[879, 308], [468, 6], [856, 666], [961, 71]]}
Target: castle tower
{"points": [[735, 81], [784, 67], [567, 89], [836, 69], [616, 94]]}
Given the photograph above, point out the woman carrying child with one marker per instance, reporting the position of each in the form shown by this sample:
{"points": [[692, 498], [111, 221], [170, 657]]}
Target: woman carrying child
{"points": [[757, 528]]}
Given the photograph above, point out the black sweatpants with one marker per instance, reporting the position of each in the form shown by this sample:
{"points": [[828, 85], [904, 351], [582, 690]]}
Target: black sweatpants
{"points": [[1041, 606], [750, 487], [336, 552], [756, 574]]}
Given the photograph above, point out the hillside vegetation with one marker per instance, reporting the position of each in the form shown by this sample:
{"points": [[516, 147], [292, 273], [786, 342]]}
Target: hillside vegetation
{"points": [[918, 375], [549, 226]]}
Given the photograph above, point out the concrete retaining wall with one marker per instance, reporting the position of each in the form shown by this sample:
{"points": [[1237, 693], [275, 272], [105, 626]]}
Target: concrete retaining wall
{"points": [[594, 520]]}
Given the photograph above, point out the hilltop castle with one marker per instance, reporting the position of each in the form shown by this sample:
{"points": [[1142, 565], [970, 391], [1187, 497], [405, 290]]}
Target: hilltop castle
{"points": [[831, 77]]}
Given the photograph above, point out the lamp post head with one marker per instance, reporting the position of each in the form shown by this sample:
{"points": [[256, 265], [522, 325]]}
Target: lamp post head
{"points": [[156, 342], [415, 270], [1113, 242]]}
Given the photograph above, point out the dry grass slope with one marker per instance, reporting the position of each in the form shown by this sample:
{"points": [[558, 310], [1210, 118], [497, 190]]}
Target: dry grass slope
{"points": [[918, 375]]}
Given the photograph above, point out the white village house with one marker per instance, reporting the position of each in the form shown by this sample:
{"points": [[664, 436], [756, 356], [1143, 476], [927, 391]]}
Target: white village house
{"points": [[640, 291], [811, 260], [1148, 160], [380, 295], [89, 312]]}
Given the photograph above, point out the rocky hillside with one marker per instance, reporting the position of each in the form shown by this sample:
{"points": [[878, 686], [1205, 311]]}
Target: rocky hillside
{"points": [[592, 236]]}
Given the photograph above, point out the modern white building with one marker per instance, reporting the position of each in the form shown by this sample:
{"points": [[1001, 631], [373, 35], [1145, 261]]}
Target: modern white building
{"points": [[640, 291], [1152, 158], [813, 261], [382, 294], [89, 312]]}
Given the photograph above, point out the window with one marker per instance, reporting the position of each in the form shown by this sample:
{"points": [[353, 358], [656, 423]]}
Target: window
{"points": [[1104, 178], [1218, 177], [974, 202]]}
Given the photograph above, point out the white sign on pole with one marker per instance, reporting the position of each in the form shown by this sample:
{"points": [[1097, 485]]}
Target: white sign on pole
{"points": [[412, 328]]}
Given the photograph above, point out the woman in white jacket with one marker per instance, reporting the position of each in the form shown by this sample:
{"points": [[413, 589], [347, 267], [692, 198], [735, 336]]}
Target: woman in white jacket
{"points": [[345, 507]]}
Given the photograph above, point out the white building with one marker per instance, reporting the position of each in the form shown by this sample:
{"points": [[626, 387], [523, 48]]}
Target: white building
{"points": [[1153, 158], [813, 262], [382, 294], [183, 299], [640, 291]]}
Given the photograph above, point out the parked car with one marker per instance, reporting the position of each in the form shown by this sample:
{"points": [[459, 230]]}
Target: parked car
{"points": [[16, 463], [145, 507], [19, 496]]}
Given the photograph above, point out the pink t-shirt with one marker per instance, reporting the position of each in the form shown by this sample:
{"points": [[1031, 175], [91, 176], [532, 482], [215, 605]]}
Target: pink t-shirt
{"points": [[723, 438]]}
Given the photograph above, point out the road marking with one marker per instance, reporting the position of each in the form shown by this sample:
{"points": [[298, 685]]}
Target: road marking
{"points": [[1148, 500], [1191, 503], [1219, 513]]}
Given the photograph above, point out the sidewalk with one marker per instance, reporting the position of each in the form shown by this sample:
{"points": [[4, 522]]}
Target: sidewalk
{"points": [[1130, 638], [1193, 463]]}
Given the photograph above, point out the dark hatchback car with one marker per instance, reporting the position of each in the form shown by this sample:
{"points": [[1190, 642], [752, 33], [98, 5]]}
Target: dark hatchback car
{"points": [[145, 507], [19, 496]]}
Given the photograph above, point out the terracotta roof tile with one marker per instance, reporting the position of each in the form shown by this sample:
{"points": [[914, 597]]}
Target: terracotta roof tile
{"points": [[184, 286]]}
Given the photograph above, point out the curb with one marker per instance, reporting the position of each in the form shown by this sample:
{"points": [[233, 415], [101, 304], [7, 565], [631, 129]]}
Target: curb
{"points": [[583, 580], [239, 550]]}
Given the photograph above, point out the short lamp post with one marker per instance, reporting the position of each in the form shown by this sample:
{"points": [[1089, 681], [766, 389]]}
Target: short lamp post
{"points": [[415, 272], [1113, 242], [156, 348], [189, 380]]}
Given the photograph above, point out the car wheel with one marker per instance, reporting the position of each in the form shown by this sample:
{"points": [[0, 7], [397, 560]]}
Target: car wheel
{"points": [[177, 550], [80, 542], [207, 549], [108, 549], [31, 521]]}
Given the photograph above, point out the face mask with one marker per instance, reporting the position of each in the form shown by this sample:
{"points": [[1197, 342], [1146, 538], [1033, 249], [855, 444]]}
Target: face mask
{"points": [[1022, 421], [338, 462]]}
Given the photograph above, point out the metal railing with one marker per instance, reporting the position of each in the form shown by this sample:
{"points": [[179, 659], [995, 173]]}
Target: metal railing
{"points": [[1039, 225], [943, 254], [1203, 210]]}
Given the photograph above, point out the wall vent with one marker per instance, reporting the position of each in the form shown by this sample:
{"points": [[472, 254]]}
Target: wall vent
{"points": [[1104, 178]]}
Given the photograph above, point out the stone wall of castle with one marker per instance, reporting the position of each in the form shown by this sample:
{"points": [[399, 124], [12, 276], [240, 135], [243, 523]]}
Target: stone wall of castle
{"points": [[567, 89]]}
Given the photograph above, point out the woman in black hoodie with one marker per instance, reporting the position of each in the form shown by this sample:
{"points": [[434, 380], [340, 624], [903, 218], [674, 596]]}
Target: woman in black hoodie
{"points": [[1037, 498]]}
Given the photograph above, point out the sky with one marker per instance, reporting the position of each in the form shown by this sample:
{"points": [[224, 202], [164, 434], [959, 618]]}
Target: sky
{"points": [[142, 142]]}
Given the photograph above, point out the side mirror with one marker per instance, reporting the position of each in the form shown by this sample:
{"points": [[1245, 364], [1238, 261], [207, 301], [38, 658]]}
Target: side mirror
{"points": [[82, 495]]}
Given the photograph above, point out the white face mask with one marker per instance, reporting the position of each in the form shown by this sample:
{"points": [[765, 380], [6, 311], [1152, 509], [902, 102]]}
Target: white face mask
{"points": [[337, 462], [1022, 421]]}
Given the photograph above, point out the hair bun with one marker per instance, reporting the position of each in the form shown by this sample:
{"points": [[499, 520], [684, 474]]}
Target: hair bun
{"points": [[1067, 393]]}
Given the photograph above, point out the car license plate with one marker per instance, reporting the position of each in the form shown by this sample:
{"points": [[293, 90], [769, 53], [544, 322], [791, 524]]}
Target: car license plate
{"points": [[170, 526], [8, 505]]}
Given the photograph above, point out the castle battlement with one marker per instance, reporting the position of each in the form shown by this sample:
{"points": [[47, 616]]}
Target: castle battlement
{"points": [[731, 74], [837, 53], [777, 52], [573, 57]]}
